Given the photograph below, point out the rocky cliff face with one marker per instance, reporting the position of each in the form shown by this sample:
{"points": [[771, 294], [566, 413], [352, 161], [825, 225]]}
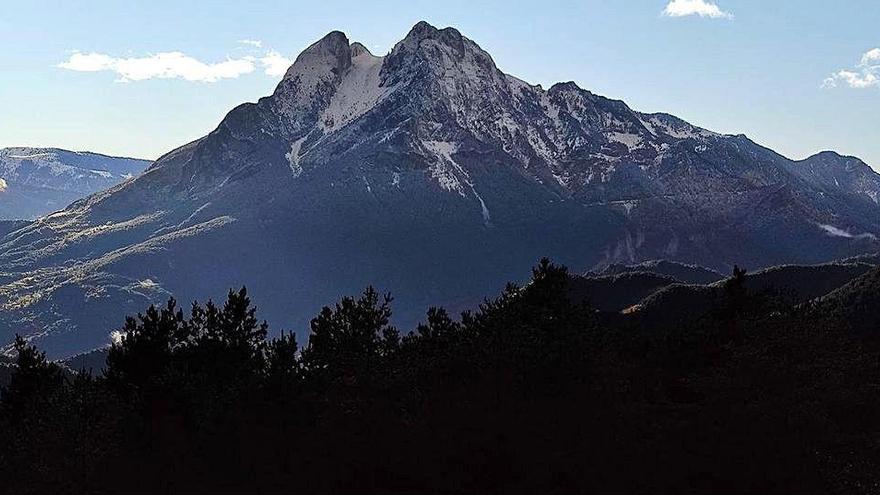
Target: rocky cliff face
{"points": [[429, 173]]}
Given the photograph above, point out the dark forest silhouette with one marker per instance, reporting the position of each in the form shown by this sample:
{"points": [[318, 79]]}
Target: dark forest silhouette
{"points": [[531, 393]]}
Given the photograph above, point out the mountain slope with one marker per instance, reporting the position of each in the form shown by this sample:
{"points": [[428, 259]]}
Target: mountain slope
{"points": [[427, 172], [37, 181], [841, 173], [680, 303], [855, 304]]}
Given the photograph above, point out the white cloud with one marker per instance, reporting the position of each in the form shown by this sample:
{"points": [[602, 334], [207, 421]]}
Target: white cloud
{"points": [[865, 75], [166, 65], [275, 63], [837, 232], [87, 62], [177, 65], [871, 57], [253, 43], [702, 8]]}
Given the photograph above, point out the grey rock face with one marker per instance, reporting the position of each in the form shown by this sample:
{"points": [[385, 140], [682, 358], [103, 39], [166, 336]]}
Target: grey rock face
{"points": [[429, 173]]}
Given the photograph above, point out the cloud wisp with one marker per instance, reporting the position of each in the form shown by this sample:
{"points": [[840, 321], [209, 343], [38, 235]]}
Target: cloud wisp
{"points": [[701, 8], [838, 232], [166, 65], [178, 65], [253, 43], [864, 75]]}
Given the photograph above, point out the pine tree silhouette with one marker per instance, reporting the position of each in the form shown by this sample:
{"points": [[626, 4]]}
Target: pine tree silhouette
{"points": [[34, 379]]}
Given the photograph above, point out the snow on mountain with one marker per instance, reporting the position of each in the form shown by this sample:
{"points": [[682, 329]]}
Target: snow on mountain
{"points": [[359, 91], [36, 181], [431, 174]]}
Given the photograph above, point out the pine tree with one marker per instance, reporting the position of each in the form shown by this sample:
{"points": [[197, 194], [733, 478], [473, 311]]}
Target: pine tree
{"points": [[34, 379], [146, 345], [352, 338]]}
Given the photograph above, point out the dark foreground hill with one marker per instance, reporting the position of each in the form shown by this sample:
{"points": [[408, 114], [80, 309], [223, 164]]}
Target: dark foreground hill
{"points": [[856, 303], [533, 393], [790, 284], [617, 292]]}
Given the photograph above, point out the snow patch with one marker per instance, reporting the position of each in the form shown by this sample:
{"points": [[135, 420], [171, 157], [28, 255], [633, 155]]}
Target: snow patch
{"points": [[485, 211], [32, 156], [293, 156], [359, 91], [444, 166], [657, 125], [447, 172], [631, 141], [628, 206]]}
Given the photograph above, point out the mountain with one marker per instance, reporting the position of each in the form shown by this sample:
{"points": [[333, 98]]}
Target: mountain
{"points": [[682, 272], [845, 174], [37, 181], [429, 173]]}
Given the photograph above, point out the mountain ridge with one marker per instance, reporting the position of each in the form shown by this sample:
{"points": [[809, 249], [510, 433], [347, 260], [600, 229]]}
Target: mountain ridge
{"points": [[35, 181]]}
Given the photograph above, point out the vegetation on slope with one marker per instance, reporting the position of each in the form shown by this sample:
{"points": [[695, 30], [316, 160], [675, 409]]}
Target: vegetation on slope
{"points": [[532, 393]]}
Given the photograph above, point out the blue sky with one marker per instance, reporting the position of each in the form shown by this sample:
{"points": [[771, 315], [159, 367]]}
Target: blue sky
{"points": [[797, 76]]}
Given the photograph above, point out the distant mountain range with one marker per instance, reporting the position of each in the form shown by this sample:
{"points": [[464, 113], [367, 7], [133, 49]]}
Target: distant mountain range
{"points": [[431, 174], [37, 181]]}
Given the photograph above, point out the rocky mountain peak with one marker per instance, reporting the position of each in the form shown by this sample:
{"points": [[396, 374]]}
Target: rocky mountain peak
{"points": [[565, 86], [834, 159], [424, 31], [357, 50], [838, 172], [311, 81], [332, 51], [441, 53]]}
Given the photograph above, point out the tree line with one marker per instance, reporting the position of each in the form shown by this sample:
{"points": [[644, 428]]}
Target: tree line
{"points": [[533, 392]]}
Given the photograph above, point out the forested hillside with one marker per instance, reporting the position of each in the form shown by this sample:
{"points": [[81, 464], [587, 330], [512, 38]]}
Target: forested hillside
{"points": [[532, 393]]}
